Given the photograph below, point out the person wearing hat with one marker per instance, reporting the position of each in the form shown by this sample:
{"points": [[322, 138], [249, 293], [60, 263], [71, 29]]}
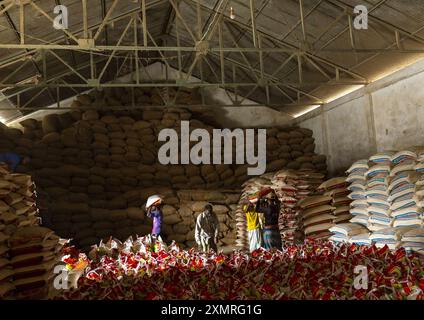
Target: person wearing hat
{"points": [[270, 207], [154, 211], [207, 228], [254, 223]]}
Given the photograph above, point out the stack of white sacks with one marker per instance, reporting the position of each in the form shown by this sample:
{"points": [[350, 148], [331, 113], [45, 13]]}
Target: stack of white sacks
{"points": [[356, 231], [388, 202]]}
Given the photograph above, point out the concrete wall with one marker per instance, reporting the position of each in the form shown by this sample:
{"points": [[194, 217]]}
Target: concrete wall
{"points": [[385, 115]]}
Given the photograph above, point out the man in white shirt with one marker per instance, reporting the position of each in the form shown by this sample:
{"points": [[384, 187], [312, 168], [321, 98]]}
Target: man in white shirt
{"points": [[207, 228]]}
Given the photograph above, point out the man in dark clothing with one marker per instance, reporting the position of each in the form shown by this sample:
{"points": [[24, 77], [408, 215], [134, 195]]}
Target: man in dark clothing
{"points": [[270, 207]]}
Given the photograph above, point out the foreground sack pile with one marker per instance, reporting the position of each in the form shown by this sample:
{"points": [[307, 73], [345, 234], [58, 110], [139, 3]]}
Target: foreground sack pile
{"points": [[290, 186], [387, 191], [28, 252], [93, 165], [316, 270]]}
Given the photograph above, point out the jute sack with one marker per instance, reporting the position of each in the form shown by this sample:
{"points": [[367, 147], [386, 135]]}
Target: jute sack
{"points": [[196, 181], [179, 238], [95, 189], [192, 170], [310, 148], [136, 213], [139, 125], [293, 165], [141, 230], [181, 228], [90, 115], [119, 135], [168, 210], [117, 215], [109, 119], [98, 214], [185, 211], [134, 142], [51, 138], [297, 147], [81, 218], [304, 159], [276, 165], [131, 134], [296, 134], [212, 177], [98, 146], [271, 142], [307, 165], [29, 123], [129, 172], [172, 219], [207, 170], [125, 120], [172, 200], [123, 224], [220, 210], [306, 132], [198, 206], [51, 123], [296, 154], [78, 198], [226, 174], [179, 180], [307, 141], [167, 229], [319, 159], [96, 180], [152, 115], [100, 137], [232, 198]]}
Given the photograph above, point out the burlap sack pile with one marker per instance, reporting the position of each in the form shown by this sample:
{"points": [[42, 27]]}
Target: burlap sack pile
{"points": [[92, 164], [88, 225]]}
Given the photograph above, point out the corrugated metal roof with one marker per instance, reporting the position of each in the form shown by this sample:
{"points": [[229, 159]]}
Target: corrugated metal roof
{"points": [[327, 42]]}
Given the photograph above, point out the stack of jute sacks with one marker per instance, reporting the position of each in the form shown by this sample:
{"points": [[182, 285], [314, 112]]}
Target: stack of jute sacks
{"points": [[28, 252], [293, 148], [92, 164], [290, 186], [88, 225]]}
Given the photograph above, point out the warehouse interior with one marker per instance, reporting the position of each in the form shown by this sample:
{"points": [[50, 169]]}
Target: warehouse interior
{"points": [[87, 87]]}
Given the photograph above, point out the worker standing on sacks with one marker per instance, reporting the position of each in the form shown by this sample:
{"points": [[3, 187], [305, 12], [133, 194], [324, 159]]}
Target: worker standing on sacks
{"points": [[254, 223], [207, 229], [154, 211]]}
